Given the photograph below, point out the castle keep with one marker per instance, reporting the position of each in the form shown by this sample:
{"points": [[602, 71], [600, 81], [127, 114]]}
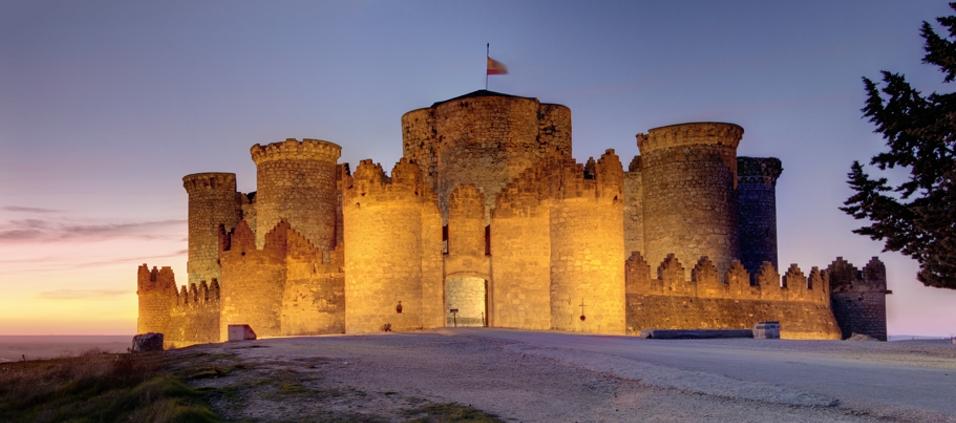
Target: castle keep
{"points": [[487, 220]]}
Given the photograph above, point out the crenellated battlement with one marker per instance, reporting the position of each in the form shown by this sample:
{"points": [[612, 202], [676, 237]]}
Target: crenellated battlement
{"points": [[758, 170], [487, 189], [602, 178], [210, 182], [370, 181], [199, 294], [154, 280], [293, 149], [845, 277], [692, 133], [736, 283]]}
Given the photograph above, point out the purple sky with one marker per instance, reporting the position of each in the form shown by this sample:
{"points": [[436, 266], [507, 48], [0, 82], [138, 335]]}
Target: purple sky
{"points": [[105, 105]]}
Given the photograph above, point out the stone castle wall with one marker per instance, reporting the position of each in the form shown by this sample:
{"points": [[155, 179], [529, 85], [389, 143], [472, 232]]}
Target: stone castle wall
{"points": [[156, 290], [757, 210], [712, 300], [296, 182], [633, 195], [859, 297], [186, 317], [688, 175], [521, 250], [383, 248], [213, 202], [587, 249], [484, 139], [488, 213]]}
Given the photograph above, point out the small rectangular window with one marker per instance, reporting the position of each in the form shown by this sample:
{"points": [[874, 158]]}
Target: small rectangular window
{"points": [[488, 240], [444, 240]]}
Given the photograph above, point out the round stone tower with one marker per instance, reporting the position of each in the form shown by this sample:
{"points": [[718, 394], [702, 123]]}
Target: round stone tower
{"points": [[296, 181], [483, 138], [689, 173], [757, 210], [213, 201]]}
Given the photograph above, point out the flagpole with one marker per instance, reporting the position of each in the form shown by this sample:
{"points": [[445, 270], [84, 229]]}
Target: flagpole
{"points": [[487, 55]]}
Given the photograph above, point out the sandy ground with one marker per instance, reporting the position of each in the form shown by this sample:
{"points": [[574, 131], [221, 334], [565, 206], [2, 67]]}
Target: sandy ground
{"points": [[547, 376]]}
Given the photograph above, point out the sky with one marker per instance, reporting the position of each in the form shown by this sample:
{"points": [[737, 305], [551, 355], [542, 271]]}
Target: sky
{"points": [[105, 105]]}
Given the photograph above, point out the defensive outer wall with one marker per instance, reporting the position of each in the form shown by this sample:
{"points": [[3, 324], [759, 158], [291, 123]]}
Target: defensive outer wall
{"points": [[487, 220]]}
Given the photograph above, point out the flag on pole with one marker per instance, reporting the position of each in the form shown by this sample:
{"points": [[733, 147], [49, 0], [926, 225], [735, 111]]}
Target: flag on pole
{"points": [[495, 67]]}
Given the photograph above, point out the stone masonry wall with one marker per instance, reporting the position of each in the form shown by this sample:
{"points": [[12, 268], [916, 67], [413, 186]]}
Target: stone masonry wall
{"points": [[313, 301], [485, 139], [587, 250], [859, 297], [757, 210], [296, 182], [383, 248], [633, 207], [688, 173], [521, 255], [213, 201], [156, 293], [709, 300], [253, 280], [194, 319]]}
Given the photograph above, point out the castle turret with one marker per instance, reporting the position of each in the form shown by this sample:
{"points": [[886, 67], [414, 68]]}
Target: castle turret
{"points": [[383, 249], [213, 202], [587, 249], [484, 138], [297, 182], [688, 173], [156, 294], [757, 210]]}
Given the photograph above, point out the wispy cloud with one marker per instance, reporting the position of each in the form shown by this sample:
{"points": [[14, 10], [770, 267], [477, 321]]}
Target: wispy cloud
{"points": [[25, 209], [50, 263], [82, 294], [44, 230]]}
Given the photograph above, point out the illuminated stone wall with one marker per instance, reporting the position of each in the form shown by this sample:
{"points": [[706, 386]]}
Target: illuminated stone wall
{"points": [[194, 319], [534, 239], [633, 196], [383, 249], [587, 250], [213, 201], [665, 299], [485, 139], [253, 280], [521, 252], [296, 182], [156, 292], [688, 175]]}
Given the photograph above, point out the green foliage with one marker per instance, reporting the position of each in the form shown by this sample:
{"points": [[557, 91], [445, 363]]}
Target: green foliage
{"points": [[916, 217]]}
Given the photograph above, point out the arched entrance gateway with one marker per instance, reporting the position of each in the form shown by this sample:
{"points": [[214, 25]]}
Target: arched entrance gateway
{"points": [[466, 301]]}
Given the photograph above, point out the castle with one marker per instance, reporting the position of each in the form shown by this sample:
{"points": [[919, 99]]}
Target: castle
{"points": [[487, 220]]}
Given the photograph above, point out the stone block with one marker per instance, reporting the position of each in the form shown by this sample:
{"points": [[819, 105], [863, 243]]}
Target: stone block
{"points": [[146, 342], [767, 330], [241, 333]]}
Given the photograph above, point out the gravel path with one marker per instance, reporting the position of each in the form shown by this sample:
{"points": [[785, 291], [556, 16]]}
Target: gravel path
{"points": [[547, 376]]}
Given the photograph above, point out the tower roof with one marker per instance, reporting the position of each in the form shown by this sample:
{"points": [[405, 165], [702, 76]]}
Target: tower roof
{"points": [[483, 93]]}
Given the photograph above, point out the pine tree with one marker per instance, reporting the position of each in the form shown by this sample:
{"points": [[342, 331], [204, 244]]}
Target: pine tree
{"points": [[916, 217]]}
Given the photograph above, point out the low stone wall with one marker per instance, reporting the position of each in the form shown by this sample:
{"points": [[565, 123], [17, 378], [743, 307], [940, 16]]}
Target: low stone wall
{"points": [[798, 320]]}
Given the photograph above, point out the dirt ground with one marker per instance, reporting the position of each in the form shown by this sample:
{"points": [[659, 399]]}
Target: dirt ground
{"points": [[547, 376]]}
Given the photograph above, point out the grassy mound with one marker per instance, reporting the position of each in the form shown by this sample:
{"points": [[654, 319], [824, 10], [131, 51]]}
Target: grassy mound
{"points": [[99, 387]]}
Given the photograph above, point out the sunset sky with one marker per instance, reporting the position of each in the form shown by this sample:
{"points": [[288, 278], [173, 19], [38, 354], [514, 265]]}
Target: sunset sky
{"points": [[104, 106]]}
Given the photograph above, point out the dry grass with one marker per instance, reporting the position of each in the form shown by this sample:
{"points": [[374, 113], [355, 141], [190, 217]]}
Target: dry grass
{"points": [[98, 387]]}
